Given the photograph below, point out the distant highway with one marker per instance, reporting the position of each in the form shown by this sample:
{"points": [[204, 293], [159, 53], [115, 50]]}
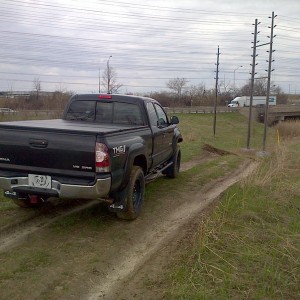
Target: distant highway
{"points": [[279, 113], [276, 113]]}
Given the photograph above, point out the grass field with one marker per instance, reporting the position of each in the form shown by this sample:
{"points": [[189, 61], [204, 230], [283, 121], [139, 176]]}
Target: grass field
{"points": [[249, 247], [231, 133]]}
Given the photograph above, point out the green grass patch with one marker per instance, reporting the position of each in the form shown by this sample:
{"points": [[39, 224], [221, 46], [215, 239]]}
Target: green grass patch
{"points": [[191, 180], [237, 253], [24, 265], [231, 133], [94, 218], [249, 247], [5, 203]]}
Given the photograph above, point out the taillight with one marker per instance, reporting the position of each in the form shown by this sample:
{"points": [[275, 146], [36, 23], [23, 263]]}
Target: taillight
{"points": [[105, 96], [102, 158]]}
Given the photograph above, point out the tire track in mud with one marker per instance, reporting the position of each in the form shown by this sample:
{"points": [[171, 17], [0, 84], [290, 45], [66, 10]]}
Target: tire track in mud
{"points": [[14, 233], [111, 286], [149, 240]]}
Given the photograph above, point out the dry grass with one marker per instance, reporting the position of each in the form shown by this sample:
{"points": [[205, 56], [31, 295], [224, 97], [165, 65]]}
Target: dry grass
{"points": [[54, 101], [249, 247], [289, 129], [273, 167]]}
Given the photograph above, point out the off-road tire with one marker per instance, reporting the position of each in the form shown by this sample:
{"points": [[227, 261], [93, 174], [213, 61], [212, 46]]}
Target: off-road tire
{"points": [[135, 195]]}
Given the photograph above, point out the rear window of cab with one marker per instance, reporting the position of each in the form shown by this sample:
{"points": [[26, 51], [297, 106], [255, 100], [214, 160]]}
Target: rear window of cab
{"points": [[105, 112]]}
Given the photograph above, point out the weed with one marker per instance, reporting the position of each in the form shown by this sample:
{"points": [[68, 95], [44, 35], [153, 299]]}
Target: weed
{"points": [[288, 130], [249, 246]]}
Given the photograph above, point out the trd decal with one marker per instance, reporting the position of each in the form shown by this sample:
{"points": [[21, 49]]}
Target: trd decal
{"points": [[120, 150]]}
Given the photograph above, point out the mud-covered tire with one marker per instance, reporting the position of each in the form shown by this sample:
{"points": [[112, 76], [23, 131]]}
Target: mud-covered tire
{"points": [[173, 170], [135, 195]]}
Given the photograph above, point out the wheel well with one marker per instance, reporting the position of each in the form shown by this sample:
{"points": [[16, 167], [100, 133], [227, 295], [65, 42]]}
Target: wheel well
{"points": [[141, 161]]}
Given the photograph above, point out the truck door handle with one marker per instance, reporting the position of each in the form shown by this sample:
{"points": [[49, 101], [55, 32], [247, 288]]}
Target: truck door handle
{"points": [[38, 143]]}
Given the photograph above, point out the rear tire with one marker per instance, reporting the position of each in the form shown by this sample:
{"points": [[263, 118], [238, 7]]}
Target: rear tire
{"points": [[173, 170], [135, 195]]}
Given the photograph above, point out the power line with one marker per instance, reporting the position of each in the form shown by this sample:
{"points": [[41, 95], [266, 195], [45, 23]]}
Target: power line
{"points": [[102, 12], [131, 30]]}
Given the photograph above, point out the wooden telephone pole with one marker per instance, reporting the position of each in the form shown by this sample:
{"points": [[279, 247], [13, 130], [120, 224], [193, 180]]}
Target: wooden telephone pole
{"points": [[216, 99], [252, 83], [269, 80]]}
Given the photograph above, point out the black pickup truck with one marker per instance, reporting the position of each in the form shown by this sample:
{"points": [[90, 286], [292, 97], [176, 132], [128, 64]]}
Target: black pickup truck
{"points": [[105, 147]]}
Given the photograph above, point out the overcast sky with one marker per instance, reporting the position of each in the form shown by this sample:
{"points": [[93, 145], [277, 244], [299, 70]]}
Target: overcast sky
{"points": [[64, 43]]}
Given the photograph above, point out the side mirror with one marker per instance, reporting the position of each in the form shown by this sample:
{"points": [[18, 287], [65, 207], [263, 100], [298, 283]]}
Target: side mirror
{"points": [[174, 120]]}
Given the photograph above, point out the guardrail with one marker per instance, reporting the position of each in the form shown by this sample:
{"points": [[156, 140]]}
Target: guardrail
{"points": [[184, 110], [30, 114], [200, 109], [57, 114]]}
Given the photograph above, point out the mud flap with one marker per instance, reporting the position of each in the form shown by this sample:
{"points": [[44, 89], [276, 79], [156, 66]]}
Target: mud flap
{"points": [[119, 201]]}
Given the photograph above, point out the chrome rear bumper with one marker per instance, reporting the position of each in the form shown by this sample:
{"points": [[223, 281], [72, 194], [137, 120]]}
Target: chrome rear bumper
{"points": [[99, 190]]}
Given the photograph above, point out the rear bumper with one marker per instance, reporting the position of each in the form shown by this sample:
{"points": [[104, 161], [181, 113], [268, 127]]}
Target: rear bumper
{"points": [[61, 190]]}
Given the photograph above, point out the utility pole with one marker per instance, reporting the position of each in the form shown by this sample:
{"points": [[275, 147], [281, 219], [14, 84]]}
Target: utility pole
{"points": [[108, 75], [216, 100], [99, 81], [252, 83], [269, 79]]}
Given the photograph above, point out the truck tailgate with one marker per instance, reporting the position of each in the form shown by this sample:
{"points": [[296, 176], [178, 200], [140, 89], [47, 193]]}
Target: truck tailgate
{"points": [[31, 148]]}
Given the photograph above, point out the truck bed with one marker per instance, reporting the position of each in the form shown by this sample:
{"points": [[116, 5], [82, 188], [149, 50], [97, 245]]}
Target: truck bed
{"points": [[66, 126], [53, 146]]}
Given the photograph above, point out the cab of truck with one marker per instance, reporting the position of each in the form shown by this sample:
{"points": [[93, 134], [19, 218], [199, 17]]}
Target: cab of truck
{"points": [[236, 102], [233, 104]]}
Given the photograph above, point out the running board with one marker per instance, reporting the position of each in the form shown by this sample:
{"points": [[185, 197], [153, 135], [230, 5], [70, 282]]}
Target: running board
{"points": [[156, 172]]}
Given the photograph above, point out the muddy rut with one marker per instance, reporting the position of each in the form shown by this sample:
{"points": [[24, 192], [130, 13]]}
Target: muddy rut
{"points": [[101, 263], [12, 233], [170, 228]]}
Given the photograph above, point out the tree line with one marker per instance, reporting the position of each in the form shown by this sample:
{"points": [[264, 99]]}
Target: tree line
{"points": [[178, 93]]}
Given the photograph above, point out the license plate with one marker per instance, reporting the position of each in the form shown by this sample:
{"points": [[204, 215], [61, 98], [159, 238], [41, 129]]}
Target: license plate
{"points": [[40, 181]]}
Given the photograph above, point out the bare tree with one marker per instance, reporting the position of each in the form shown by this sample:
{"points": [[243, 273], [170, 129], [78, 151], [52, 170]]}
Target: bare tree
{"points": [[224, 86], [10, 89], [109, 79], [176, 85], [196, 94], [259, 88], [37, 87]]}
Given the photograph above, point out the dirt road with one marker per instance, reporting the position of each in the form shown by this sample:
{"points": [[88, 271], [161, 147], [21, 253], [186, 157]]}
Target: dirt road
{"points": [[92, 255]]}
